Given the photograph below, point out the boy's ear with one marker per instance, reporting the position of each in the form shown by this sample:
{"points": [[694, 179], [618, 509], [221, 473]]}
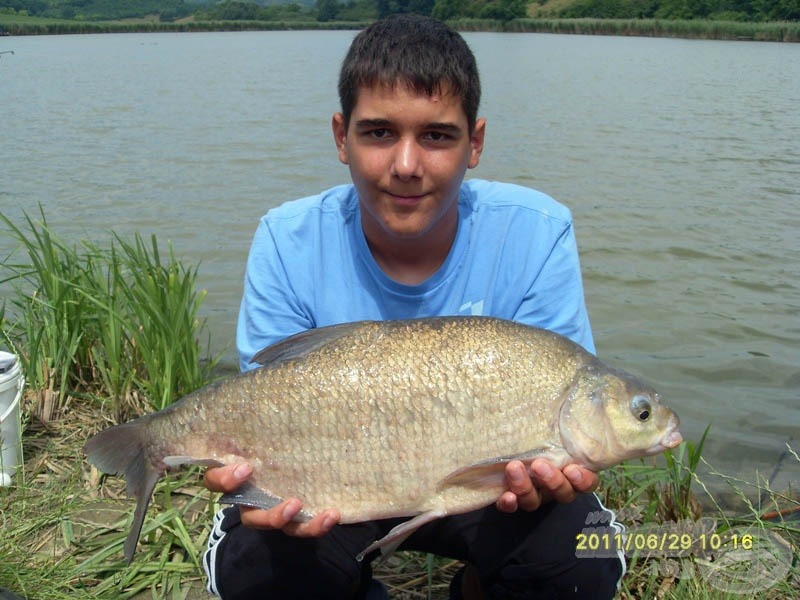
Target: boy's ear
{"points": [[476, 142], [340, 136]]}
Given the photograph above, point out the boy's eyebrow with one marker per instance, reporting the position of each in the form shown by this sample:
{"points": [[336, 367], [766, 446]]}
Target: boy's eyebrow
{"points": [[447, 127], [443, 126], [367, 123]]}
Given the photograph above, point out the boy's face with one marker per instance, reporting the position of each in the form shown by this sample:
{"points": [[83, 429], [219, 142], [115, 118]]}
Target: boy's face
{"points": [[407, 154]]}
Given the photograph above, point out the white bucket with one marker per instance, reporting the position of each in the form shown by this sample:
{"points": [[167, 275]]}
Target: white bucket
{"points": [[11, 384]]}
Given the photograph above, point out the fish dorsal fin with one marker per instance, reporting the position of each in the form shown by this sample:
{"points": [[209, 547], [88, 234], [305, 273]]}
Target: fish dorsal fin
{"points": [[492, 472], [303, 343]]}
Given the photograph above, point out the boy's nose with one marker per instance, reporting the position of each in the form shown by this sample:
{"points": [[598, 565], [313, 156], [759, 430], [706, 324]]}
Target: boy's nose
{"points": [[407, 160]]}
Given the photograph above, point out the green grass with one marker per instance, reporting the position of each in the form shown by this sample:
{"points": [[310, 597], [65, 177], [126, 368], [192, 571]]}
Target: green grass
{"points": [[656, 499], [80, 316], [112, 326], [692, 29]]}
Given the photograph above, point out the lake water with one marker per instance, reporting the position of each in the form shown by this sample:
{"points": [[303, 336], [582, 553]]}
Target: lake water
{"points": [[680, 160]]}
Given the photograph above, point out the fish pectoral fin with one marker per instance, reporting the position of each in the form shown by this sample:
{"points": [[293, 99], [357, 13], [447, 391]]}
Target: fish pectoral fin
{"points": [[492, 472], [251, 495], [392, 540], [477, 476]]}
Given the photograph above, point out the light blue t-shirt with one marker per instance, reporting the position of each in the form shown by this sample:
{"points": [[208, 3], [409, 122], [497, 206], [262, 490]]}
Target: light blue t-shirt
{"points": [[514, 257]]}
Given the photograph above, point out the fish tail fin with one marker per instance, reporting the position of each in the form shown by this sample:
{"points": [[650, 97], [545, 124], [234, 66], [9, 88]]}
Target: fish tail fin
{"points": [[120, 450]]}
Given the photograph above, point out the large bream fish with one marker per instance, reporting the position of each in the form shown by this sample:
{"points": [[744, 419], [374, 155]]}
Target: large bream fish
{"points": [[411, 418]]}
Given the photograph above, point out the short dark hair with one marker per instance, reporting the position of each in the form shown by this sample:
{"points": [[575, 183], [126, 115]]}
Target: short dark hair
{"points": [[420, 52]]}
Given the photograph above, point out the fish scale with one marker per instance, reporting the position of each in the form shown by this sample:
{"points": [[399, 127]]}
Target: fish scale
{"points": [[415, 418]]}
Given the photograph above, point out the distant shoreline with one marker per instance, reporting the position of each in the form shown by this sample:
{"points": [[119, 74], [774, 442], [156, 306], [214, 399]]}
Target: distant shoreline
{"points": [[694, 29]]}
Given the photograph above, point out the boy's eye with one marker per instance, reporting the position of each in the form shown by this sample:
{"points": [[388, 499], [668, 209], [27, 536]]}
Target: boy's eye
{"points": [[380, 134], [437, 136]]}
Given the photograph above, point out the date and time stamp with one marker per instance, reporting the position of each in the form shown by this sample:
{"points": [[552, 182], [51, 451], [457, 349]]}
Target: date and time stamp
{"points": [[660, 542], [740, 559]]}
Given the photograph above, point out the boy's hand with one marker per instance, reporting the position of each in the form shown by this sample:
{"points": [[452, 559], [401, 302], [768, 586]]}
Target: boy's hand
{"points": [[528, 489], [227, 479]]}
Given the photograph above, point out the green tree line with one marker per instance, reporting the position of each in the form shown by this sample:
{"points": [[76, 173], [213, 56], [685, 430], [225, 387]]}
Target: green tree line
{"points": [[728, 10], [365, 10], [99, 10]]}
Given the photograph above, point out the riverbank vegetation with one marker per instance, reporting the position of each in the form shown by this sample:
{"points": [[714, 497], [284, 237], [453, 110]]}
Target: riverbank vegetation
{"points": [[695, 29], [106, 332], [767, 20]]}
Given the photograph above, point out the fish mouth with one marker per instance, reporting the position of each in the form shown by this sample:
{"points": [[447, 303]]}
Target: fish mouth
{"points": [[671, 440]]}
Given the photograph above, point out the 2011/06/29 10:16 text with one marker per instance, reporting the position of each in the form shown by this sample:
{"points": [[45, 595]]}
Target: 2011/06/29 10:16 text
{"points": [[659, 541]]}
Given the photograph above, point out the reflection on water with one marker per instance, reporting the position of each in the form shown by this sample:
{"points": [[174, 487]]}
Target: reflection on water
{"points": [[680, 160]]}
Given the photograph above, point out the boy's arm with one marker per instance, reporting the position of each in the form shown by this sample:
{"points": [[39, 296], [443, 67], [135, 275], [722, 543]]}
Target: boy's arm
{"points": [[554, 299], [270, 309]]}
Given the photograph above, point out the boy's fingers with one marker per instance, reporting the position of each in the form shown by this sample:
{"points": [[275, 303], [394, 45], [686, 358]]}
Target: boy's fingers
{"points": [[319, 525], [581, 479], [521, 494], [281, 517], [227, 479], [551, 481]]}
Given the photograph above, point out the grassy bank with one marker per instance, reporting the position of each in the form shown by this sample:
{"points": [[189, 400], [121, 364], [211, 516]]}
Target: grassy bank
{"points": [[16, 25], [108, 332], [693, 29]]}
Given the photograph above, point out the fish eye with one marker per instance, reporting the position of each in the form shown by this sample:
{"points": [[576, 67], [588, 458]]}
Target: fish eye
{"points": [[640, 407]]}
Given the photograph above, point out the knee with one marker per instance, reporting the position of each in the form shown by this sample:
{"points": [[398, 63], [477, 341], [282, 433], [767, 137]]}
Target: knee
{"points": [[544, 563], [248, 563], [574, 578]]}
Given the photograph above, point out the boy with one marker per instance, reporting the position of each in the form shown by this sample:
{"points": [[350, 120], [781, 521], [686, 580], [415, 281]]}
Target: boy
{"points": [[409, 238]]}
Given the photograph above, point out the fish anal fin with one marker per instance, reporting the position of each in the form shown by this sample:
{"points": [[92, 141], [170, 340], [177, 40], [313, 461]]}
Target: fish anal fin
{"points": [[252, 495], [392, 540]]}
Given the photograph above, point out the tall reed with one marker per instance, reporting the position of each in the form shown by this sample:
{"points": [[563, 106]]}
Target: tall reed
{"points": [[49, 324], [120, 323]]}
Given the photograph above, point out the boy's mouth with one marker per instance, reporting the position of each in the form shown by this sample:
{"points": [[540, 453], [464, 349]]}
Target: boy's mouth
{"points": [[406, 199]]}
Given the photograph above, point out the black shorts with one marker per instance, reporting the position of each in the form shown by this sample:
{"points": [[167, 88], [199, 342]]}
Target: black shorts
{"points": [[517, 555]]}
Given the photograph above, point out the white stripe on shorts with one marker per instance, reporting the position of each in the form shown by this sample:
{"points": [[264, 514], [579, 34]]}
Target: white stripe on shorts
{"points": [[620, 529], [210, 557]]}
